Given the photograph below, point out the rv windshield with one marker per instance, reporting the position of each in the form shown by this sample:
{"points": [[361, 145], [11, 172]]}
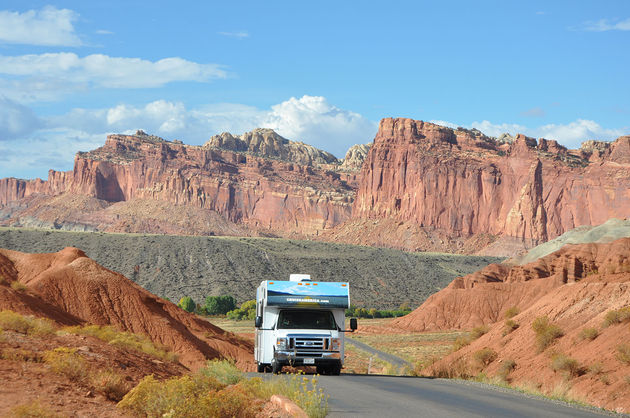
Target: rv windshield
{"points": [[299, 319]]}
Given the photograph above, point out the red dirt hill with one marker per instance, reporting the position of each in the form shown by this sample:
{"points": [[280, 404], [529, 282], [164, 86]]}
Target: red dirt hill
{"points": [[72, 289], [590, 360], [484, 296]]}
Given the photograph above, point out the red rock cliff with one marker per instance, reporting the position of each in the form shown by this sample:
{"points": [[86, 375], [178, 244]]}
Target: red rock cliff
{"points": [[465, 183], [259, 192]]}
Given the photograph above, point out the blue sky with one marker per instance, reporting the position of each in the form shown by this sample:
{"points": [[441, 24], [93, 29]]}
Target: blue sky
{"points": [[323, 73]]}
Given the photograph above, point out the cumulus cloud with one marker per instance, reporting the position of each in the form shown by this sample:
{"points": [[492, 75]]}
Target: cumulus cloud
{"points": [[309, 119], [493, 129], [604, 25], [570, 135], [445, 123], [313, 120], [16, 120], [49, 76], [48, 26]]}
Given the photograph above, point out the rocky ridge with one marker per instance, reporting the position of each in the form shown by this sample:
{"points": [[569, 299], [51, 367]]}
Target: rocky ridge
{"points": [[444, 189]]}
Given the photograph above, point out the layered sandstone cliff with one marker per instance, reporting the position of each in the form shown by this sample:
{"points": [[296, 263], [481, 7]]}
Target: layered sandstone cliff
{"points": [[420, 186], [465, 183], [261, 188]]}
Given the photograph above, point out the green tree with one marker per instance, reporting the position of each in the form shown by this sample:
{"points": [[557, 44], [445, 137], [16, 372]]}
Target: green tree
{"points": [[219, 305], [187, 304], [246, 311]]}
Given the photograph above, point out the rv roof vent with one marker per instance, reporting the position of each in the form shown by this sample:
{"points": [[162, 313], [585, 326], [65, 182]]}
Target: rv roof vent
{"points": [[300, 277]]}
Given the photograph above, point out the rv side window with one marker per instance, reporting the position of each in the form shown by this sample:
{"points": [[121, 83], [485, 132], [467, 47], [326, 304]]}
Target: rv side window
{"points": [[304, 319]]}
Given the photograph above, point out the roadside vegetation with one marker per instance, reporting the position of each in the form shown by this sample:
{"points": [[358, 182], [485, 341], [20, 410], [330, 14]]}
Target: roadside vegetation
{"points": [[220, 390], [374, 313]]}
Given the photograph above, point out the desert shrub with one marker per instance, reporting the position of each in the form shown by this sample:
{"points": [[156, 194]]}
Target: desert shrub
{"points": [[13, 321], [485, 356], [460, 342], [21, 355], [617, 316], [510, 325], [596, 368], [2, 279], [219, 305], [458, 369], [506, 368], [511, 312], [546, 332], [17, 286], [623, 353], [472, 336], [589, 334], [569, 366], [300, 389], [187, 304], [154, 398], [65, 361], [109, 383], [32, 409], [224, 371], [478, 331], [122, 339], [246, 311]]}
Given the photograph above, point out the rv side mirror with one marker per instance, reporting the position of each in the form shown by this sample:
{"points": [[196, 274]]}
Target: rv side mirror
{"points": [[258, 322], [353, 324]]}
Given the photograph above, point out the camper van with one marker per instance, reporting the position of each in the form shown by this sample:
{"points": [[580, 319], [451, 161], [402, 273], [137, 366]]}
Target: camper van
{"points": [[301, 322]]}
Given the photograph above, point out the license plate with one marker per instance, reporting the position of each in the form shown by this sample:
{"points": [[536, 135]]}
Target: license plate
{"points": [[309, 361]]}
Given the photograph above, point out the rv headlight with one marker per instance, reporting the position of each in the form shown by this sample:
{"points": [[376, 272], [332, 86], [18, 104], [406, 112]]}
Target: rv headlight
{"points": [[335, 344], [281, 344]]}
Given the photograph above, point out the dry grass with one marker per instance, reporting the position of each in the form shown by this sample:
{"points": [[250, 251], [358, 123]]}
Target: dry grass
{"points": [[596, 368], [512, 312], [458, 369], [589, 334], [546, 332], [20, 355], [565, 364], [23, 324], [623, 353], [617, 316], [17, 286], [203, 394], [65, 361], [125, 340], [485, 356], [109, 383], [32, 409], [506, 367], [510, 325]]}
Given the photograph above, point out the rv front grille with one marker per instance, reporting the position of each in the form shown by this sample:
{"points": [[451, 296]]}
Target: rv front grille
{"points": [[308, 346]]}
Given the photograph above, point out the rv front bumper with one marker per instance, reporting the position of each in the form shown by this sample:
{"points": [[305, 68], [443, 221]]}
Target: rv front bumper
{"points": [[304, 359]]}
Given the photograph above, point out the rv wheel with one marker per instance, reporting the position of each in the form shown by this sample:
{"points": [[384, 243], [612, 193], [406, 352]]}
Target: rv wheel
{"points": [[260, 367], [275, 367]]}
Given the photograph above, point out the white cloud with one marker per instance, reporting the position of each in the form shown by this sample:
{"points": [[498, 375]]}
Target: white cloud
{"points": [[445, 123], [16, 120], [47, 149], [49, 76], [570, 135], [573, 134], [604, 25], [492, 129], [237, 35], [313, 120], [104, 32], [534, 112], [48, 26]]}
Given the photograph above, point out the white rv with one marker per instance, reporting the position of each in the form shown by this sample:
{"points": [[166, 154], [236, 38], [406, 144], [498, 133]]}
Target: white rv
{"points": [[301, 323]]}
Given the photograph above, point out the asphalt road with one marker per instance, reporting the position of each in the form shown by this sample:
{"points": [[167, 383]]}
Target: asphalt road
{"points": [[391, 396]]}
